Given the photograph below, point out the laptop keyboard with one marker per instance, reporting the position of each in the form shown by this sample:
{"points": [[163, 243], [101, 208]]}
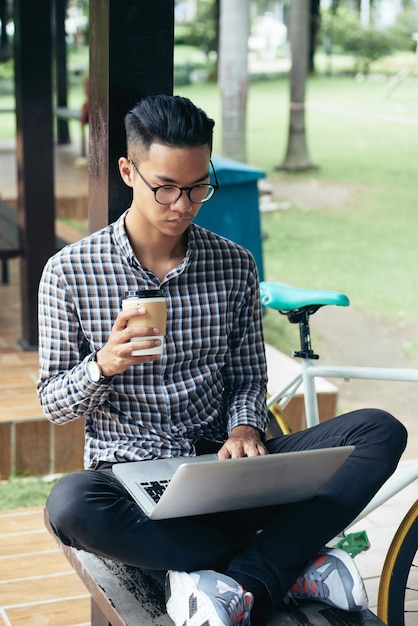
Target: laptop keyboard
{"points": [[155, 488]]}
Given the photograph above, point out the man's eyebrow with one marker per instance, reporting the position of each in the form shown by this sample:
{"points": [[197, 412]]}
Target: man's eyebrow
{"points": [[168, 180]]}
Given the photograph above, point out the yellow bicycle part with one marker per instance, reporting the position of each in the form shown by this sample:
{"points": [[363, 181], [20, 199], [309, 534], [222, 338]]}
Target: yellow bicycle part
{"points": [[280, 420], [397, 566]]}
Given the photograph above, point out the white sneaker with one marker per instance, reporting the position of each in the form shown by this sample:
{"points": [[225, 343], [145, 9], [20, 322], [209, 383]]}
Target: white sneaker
{"points": [[206, 598], [332, 578]]}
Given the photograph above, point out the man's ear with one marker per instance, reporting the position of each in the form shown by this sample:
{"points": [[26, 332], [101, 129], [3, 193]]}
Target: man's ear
{"points": [[126, 170]]}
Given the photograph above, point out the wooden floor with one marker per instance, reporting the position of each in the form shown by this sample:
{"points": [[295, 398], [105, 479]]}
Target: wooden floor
{"points": [[37, 585], [29, 444], [19, 369]]}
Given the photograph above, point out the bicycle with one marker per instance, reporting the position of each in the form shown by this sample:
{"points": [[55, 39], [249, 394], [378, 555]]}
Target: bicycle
{"points": [[398, 589]]}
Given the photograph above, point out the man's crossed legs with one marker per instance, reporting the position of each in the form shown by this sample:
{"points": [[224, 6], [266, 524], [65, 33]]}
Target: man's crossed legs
{"points": [[91, 510]]}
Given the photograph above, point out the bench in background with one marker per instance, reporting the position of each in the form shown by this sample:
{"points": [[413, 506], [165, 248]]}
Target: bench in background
{"points": [[10, 245], [64, 113]]}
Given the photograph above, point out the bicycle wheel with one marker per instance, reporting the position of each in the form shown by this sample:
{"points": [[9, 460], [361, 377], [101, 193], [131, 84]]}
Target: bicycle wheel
{"points": [[398, 589]]}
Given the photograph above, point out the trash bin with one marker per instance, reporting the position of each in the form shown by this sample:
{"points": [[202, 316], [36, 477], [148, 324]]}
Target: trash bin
{"points": [[233, 212]]}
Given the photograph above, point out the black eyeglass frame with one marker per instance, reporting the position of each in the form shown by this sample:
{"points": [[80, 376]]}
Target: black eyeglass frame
{"points": [[181, 189]]}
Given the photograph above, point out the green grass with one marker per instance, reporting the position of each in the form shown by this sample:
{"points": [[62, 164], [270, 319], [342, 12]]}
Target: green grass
{"points": [[17, 493], [369, 248], [343, 146], [374, 262]]}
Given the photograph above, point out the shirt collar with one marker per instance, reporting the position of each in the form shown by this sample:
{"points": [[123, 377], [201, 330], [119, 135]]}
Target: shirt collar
{"points": [[122, 241], [121, 238]]}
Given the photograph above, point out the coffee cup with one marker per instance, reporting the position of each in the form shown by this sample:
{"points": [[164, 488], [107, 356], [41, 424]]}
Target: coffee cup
{"points": [[154, 303]]}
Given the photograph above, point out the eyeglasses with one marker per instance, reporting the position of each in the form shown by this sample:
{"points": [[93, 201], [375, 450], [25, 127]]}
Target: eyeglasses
{"points": [[168, 194]]}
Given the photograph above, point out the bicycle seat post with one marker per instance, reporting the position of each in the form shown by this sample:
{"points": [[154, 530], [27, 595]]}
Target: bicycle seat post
{"points": [[301, 317]]}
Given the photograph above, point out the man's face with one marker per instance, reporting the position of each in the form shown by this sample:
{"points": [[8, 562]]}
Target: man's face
{"points": [[165, 165]]}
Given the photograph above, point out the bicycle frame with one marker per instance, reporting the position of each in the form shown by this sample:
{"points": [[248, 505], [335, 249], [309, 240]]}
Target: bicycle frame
{"points": [[298, 304], [309, 371]]}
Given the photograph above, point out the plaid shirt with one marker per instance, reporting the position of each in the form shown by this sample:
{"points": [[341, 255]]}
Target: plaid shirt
{"points": [[212, 376]]}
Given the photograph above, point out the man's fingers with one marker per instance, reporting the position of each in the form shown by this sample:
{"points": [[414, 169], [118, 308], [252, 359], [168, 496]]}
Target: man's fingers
{"points": [[256, 449], [236, 448]]}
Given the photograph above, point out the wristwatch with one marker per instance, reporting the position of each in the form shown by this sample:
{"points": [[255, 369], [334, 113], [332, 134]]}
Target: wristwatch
{"points": [[94, 370]]}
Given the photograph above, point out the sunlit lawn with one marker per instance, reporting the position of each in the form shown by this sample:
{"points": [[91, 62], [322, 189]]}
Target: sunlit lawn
{"points": [[24, 492], [359, 138]]}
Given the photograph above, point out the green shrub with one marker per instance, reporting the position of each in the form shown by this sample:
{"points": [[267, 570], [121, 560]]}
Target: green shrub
{"points": [[368, 45], [182, 75], [344, 31], [191, 65], [201, 31], [403, 29], [7, 77]]}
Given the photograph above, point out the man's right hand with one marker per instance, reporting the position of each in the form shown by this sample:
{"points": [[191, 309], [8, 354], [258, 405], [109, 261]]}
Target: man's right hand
{"points": [[116, 355]]}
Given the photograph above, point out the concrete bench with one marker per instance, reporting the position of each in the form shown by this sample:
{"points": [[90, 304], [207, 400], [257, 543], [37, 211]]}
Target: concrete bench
{"points": [[10, 245], [122, 595]]}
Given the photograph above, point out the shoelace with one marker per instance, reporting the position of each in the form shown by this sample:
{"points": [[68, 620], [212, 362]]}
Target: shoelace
{"points": [[312, 588], [238, 608]]}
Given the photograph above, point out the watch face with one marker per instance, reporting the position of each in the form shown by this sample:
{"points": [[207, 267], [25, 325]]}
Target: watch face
{"points": [[93, 371]]}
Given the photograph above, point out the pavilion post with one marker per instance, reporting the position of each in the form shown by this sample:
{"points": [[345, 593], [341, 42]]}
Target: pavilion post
{"points": [[34, 153], [131, 55]]}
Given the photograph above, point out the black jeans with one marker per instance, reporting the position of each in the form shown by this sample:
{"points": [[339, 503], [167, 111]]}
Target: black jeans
{"points": [[91, 510]]}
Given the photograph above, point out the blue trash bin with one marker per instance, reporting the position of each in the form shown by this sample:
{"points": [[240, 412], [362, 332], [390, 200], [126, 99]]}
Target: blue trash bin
{"points": [[233, 212]]}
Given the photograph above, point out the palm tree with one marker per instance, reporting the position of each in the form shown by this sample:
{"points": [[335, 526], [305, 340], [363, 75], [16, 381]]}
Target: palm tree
{"points": [[233, 75], [297, 158]]}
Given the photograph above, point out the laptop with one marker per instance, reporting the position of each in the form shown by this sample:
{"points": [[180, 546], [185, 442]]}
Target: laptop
{"points": [[183, 486]]}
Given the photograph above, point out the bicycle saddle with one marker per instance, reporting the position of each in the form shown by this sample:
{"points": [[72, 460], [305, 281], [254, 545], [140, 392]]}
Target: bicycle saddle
{"points": [[282, 297]]}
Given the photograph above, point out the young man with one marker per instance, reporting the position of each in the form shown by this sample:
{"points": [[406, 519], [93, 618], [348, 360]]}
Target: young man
{"points": [[205, 393]]}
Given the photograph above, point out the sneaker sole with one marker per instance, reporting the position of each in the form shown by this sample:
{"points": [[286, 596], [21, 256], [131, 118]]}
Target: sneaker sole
{"points": [[200, 610]]}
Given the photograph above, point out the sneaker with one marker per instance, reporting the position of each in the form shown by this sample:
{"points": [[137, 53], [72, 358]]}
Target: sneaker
{"points": [[332, 578], [206, 598]]}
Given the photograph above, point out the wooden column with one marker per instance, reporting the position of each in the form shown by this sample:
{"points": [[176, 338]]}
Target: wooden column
{"points": [[4, 39], [131, 55], [61, 74], [34, 151]]}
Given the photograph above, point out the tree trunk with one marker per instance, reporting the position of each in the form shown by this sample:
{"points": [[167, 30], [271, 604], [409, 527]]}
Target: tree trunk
{"points": [[297, 158], [233, 76], [314, 28]]}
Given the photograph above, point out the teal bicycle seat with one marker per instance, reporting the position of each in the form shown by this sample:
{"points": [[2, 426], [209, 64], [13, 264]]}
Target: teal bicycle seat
{"points": [[282, 297]]}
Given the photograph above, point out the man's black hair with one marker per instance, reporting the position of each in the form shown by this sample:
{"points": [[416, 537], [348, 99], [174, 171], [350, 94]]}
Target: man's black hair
{"points": [[169, 120]]}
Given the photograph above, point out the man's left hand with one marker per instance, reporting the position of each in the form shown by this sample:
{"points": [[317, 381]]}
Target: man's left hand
{"points": [[243, 441]]}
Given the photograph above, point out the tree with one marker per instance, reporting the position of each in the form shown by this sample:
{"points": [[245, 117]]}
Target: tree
{"points": [[367, 44], [314, 28], [201, 30], [297, 158], [233, 75]]}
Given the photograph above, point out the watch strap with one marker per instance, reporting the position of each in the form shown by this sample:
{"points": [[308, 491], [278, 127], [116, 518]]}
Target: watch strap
{"points": [[102, 378]]}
